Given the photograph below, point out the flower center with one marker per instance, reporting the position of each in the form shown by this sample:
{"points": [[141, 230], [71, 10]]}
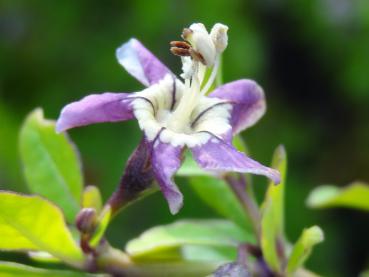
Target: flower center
{"points": [[179, 113]]}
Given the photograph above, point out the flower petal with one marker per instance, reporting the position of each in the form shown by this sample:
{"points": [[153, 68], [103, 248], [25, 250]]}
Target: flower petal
{"points": [[216, 155], [95, 108], [166, 160], [248, 102], [141, 63]]}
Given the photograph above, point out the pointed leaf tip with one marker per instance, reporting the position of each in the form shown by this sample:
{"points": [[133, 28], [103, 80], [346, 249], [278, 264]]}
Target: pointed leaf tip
{"points": [[303, 248], [51, 163]]}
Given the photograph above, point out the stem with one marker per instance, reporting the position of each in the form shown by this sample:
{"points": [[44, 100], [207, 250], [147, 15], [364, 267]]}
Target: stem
{"points": [[260, 268], [242, 254], [238, 185]]}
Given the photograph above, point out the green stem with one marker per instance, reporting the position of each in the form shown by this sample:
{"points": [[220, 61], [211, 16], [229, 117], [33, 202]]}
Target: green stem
{"points": [[238, 185]]}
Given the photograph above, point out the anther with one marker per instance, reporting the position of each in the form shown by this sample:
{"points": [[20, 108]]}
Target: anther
{"points": [[180, 44], [197, 56], [180, 51]]}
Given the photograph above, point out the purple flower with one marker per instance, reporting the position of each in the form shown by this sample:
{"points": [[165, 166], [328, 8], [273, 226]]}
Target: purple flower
{"points": [[174, 115]]}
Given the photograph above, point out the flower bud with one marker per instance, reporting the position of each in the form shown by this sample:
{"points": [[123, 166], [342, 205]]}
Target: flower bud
{"points": [[219, 36], [86, 220]]}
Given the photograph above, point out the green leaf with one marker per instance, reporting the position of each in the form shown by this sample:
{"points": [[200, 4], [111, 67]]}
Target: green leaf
{"points": [[208, 253], [91, 198], [195, 253], [33, 223], [355, 195], [217, 194], [42, 257], [303, 247], [186, 232], [10, 269], [51, 163], [272, 212]]}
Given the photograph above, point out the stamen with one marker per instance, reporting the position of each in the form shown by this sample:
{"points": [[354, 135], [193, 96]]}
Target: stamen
{"points": [[180, 51], [181, 116], [198, 52], [180, 44], [180, 48], [197, 56]]}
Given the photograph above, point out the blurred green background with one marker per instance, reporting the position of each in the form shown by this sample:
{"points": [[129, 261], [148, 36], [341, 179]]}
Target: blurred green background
{"points": [[310, 56]]}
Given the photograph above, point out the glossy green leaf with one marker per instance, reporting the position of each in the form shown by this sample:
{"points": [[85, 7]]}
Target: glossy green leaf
{"points": [[33, 223], [51, 164], [186, 232], [10, 269], [91, 198], [217, 194], [355, 195], [303, 247], [272, 212]]}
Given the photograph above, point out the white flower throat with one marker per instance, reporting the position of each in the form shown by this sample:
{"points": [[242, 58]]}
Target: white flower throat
{"points": [[181, 114]]}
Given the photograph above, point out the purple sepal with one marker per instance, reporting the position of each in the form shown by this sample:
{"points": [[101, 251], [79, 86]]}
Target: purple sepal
{"points": [[166, 160], [141, 63], [218, 156], [95, 108], [137, 178], [248, 102]]}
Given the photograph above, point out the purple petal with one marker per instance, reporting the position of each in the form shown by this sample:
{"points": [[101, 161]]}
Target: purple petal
{"points": [[248, 102], [166, 160], [216, 155], [95, 108], [141, 63]]}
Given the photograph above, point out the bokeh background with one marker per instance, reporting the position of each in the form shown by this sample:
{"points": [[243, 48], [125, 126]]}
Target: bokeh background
{"points": [[310, 56]]}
